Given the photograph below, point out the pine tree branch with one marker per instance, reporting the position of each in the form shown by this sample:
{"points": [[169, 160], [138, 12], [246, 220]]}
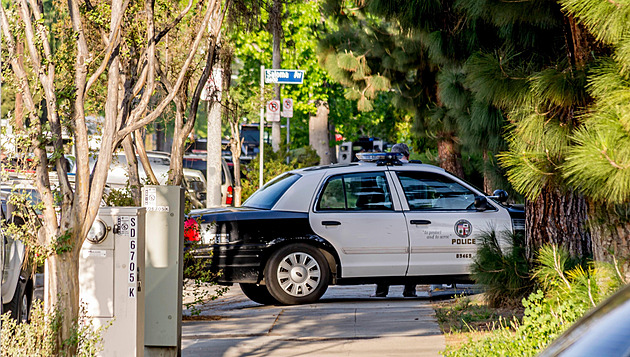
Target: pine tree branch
{"points": [[612, 162]]}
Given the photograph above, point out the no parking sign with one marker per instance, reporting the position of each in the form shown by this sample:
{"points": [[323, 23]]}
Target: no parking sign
{"points": [[273, 110], [287, 108]]}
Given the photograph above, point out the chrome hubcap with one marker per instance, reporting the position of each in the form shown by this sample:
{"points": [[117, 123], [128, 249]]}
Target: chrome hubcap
{"points": [[298, 274]]}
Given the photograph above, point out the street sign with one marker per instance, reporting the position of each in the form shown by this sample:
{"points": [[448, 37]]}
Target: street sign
{"points": [[273, 110], [287, 108], [284, 76]]}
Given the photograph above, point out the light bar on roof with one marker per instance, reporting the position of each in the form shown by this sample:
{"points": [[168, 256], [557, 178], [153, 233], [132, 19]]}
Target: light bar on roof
{"points": [[379, 156]]}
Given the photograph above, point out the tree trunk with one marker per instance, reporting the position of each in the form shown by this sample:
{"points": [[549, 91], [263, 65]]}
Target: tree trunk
{"points": [[213, 173], [62, 293], [332, 138], [235, 147], [275, 17], [560, 218], [318, 133], [176, 169], [132, 169], [610, 230], [449, 156], [19, 112], [488, 184]]}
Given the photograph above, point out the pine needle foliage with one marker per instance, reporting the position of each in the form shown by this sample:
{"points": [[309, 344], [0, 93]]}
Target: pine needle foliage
{"points": [[561, 88], [537, 147], [494, 78], [607, 20], [348, 62], [501, 266], [599, 162]]}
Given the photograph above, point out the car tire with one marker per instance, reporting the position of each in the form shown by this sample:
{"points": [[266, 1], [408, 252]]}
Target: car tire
{"points": [[297, 274], [19, 305], [258, 293]]}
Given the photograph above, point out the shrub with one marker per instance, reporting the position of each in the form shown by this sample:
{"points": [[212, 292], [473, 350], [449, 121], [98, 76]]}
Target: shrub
{"points": [[566, 293], [198, 279], [37, 338], [504, 274]]}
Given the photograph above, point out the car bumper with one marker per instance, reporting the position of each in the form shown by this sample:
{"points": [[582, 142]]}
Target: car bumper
{"points": [[236, 263]]}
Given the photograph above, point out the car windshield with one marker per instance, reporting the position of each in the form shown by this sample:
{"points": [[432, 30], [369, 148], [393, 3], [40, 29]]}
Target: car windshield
{"points": [[266, 197]]}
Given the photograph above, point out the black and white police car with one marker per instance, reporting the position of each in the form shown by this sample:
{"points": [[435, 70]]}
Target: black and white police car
{"points": [[375, 220]]}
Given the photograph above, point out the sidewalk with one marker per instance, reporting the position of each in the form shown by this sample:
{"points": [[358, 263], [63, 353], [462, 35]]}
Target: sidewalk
{"points": [[345, 322]]}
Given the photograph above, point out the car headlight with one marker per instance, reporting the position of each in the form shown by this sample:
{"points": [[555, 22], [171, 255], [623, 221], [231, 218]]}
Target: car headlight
{"points": [[97, 232]]}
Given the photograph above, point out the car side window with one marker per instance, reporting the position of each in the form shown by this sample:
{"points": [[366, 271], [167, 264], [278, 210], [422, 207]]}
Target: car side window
{"points": [[356, 192], [430, 191]]}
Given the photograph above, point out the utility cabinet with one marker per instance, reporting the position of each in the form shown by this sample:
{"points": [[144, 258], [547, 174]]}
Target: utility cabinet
{"points": [[111, 279], [164, 269]]}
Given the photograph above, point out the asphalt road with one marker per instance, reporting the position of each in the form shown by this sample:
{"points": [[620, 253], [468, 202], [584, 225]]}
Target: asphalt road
{"points": [[345, 322]]}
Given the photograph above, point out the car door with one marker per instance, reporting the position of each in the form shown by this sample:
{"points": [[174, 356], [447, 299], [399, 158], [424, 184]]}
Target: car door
{"points": [[359, 216], [443, 223]]}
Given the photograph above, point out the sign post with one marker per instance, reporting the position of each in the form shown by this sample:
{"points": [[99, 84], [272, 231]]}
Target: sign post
{"points": [[276, 76]]}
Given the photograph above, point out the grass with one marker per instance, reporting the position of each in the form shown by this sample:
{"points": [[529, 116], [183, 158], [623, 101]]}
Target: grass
{"points": [[470, 317]]}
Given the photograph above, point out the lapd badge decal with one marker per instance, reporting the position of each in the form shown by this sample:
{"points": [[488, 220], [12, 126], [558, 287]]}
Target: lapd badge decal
{"points": [[463, 228]]}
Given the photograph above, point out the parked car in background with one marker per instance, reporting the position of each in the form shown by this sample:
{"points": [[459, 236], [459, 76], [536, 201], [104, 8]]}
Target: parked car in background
{"points": [[198, 162], [379, 220], [18, 270]]}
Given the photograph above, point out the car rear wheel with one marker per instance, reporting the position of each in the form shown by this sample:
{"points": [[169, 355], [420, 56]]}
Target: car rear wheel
{"points": [[297, 274], [258, 293]]}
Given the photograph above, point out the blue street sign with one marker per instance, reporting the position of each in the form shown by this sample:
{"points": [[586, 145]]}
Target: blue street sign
{"points": [[284, 76]]}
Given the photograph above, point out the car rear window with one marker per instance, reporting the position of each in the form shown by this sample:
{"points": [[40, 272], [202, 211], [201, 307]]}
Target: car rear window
{"points": [[268, 195]]}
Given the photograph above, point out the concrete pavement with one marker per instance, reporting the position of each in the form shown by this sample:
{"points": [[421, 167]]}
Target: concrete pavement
{"points": [[345, 322]]}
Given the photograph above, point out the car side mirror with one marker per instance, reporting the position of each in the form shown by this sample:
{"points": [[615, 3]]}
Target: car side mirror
{"points": [[481, 203], [500, 195]]}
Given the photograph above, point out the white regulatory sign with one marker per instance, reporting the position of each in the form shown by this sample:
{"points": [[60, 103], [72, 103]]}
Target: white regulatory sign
{"points": [[273, 110], [133, 259], [150, 198], [287, 108]]}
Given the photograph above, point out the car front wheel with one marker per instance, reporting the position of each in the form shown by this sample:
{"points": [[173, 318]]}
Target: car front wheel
{"points": [[297, 274], [258, 293]]}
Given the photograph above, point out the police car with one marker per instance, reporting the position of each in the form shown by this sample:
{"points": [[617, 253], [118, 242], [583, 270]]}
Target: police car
{"points": [[375, 220]]}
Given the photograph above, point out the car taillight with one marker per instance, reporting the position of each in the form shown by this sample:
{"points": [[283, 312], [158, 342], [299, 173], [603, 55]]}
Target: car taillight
{"points": [[191, 230], [230, 195]]}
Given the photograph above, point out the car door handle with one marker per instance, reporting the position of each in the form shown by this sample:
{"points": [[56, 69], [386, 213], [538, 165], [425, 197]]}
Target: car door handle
{"points": [[419, 221], [331, 223]]}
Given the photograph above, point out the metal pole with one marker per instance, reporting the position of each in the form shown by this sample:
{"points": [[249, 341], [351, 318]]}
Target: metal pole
{"points": [[262, 126], [288, 137]]}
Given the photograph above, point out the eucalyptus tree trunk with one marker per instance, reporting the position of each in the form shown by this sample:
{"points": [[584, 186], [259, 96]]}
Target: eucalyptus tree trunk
{"points": [[275, 19], [213, 164], [318, 133]]}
